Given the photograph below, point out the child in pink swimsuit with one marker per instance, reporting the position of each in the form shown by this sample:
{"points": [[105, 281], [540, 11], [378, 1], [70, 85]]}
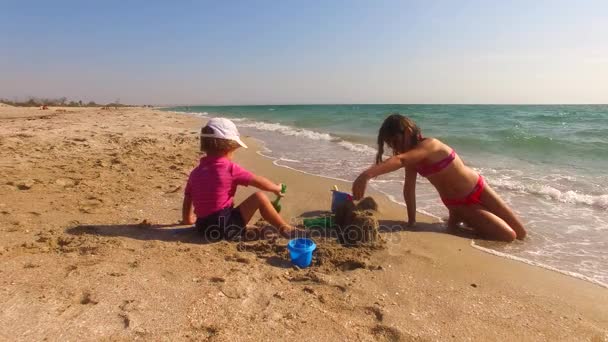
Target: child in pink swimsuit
{"points": [[211, 187], [463, 191]]}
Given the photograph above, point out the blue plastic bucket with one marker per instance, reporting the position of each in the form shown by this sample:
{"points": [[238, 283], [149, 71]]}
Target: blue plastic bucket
{"points": [[300, 251], [339, 197]]}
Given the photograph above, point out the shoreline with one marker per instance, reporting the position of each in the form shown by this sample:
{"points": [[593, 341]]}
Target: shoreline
{"points": [[99, 255], [537, 264]]}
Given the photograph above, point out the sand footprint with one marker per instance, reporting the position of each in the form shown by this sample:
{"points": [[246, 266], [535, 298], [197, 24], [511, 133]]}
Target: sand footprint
{"points": [[375, 311], [87, 299], [386, 333]]}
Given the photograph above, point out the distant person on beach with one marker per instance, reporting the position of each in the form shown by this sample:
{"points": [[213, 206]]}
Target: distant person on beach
{"points": [[463, 191], [212, 185]]}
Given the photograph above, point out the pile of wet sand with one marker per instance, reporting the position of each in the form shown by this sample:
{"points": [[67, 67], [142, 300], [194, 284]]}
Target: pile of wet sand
{"points": [[357, 224]]}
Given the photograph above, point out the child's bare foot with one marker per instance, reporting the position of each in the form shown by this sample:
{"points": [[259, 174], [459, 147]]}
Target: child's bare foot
{"points": [[454, 222], [452, 226]]}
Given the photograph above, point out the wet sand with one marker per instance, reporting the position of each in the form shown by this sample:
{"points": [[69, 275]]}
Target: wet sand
{"points": [[89, 199]]}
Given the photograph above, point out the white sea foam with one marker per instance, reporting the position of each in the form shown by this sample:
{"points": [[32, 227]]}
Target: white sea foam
{"points": [[551, 193], [288, 130], [276, 162], [382, 181], [290, 160], [305, 133], [203, 114], [360, 148]]}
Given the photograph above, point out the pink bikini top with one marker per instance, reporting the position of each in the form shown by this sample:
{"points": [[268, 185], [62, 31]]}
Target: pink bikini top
{"points": [[427, 170]]}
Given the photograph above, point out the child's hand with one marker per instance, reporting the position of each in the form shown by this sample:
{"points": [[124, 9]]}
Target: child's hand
{"points": [[359, 186], [277, 190], [187, 221]]}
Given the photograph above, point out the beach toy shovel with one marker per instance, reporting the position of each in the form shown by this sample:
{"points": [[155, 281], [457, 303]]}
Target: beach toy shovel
{"points": [[300, 251], [275, 203]]}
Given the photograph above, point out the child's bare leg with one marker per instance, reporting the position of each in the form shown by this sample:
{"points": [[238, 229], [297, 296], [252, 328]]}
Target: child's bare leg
{"points": [[259, 201]]}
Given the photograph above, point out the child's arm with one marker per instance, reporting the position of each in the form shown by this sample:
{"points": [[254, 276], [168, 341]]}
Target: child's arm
{"points": [[187, 212], [394, 163], [410, 158], [265, 185]]}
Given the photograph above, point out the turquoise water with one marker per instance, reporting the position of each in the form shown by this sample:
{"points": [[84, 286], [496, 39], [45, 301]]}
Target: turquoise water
{"points": [[548, 162]]}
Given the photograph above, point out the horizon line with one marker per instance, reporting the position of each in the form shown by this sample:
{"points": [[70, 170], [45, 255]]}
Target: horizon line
{"points": [[381, 104]]}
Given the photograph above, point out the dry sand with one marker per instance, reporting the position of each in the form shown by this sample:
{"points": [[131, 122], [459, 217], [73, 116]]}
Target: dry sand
{"points": [[89, 251]]}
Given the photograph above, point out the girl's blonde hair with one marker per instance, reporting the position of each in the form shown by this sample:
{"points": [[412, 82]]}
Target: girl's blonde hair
{"points": [[395, 125], [216, 146]]}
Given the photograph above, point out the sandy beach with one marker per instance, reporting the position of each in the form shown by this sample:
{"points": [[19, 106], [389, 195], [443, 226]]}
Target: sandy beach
{"points": [[90, 250]]}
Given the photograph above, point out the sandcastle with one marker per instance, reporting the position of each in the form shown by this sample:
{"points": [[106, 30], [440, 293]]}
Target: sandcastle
{"points": [[356, 224]]}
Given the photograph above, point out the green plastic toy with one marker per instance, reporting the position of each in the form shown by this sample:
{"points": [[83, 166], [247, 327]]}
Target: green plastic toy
{"points": [[275, 203], [324, 222]]}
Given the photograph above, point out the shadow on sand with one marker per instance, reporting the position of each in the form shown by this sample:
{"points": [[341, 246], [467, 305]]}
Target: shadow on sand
{"points": [[393, 226], [174, 232], [159, 232]]}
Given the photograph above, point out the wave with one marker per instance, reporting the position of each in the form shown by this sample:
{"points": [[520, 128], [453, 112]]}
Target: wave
{"points": [[202, 114], [305, 133], [361, 148], [551, 193], [289, 160], [288, 130], [238, 119]]}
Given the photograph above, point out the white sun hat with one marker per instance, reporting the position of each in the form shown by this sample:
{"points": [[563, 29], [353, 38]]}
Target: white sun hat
{"points": [[223, 129]]}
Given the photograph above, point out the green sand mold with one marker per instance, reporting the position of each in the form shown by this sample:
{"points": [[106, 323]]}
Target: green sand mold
{"points": [[276, 203]]}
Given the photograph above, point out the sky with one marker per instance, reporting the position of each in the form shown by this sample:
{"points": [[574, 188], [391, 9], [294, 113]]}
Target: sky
{"points": [[306, 52]]}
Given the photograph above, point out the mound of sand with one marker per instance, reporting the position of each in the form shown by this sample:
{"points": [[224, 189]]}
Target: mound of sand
{"points": [[4, 105], [329, 257], [357, 224]]}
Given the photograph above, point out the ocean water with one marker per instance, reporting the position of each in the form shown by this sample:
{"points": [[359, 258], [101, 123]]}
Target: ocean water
{"points": [[548, 162]]}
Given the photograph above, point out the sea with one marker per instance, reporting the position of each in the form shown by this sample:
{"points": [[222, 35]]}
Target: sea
{"points": [[548, 162]]}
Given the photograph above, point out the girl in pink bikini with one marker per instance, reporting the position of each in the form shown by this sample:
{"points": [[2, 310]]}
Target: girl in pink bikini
{"points": [[468, 198]]}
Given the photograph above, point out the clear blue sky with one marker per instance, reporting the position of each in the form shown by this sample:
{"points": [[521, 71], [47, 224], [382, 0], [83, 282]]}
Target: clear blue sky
{"points": [[257, 52]]}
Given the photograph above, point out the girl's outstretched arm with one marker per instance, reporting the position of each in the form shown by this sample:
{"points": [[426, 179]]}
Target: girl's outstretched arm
{"points": [[389, 165], [410, 158]]}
